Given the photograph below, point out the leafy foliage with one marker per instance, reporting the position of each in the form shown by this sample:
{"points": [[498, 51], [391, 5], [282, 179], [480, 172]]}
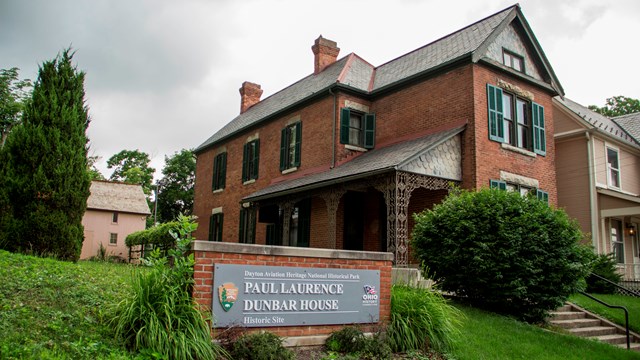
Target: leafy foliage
{"points": [[94, 173], [159, 315], [421, 319], [617, 105], [43, 167], [260, 346], [176, 186], [159, 236], [351, 341], [510, 254], [14, 93], [132, 166], [605, 265]]}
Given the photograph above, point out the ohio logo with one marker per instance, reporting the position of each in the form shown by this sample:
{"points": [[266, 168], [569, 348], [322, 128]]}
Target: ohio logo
{"points": [[369, 293], [227, 294]]}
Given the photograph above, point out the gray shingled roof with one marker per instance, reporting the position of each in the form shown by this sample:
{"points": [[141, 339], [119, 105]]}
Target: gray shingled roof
{"points": [[599, 122], [370, 163], [630, 123], [113, 196], [353, 71]]}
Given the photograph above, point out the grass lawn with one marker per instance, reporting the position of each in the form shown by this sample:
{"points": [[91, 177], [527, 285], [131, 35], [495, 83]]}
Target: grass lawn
{"points": [[51, 309], [489, 336], [616, 315]]}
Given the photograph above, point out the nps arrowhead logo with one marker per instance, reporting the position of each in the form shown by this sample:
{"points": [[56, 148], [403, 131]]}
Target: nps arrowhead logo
{"points": [[227, 294]]}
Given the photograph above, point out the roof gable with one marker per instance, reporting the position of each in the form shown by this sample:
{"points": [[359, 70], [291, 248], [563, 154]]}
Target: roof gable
{"points": [[114, 196], [630, 123]]}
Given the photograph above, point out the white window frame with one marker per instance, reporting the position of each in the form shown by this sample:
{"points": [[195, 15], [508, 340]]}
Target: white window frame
{"points": [[112, 237], [610, 169]]}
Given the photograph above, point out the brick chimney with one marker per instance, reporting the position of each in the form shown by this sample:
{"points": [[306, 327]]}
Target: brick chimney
{"points": [[326, 52], [249, 95]]}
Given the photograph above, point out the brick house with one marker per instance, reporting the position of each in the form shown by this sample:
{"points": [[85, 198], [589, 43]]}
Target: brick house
{"points": [[114, 210], [343, 157], [598, 170]]}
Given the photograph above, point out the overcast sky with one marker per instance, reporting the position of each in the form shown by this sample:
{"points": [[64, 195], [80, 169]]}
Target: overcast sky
{"points": [[164, 75]]}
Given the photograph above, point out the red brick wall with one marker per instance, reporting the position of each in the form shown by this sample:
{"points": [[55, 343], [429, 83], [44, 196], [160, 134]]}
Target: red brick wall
{"points": [[204, 268], [490, 157]]}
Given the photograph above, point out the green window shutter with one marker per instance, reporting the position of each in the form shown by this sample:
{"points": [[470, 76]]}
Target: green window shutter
{"points": [[215, 174], [296, 161], [271, 234], [283, 149], [369, 131], [497, 184], [496, 126], [242, 235], [542, 196], [245, 161], [345, 116], [219, 232], [539, 132], [212, 224], [256, 159], [223, 171]]}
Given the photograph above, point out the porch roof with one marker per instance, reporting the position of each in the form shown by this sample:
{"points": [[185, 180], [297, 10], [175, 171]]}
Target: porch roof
{"points": [[373, 162]]}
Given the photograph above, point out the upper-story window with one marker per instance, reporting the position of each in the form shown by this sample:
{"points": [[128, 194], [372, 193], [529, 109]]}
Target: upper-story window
{"points": [[357, 128], [219, 171], [251, 160], [114, 217], [516, 121], [290, 146], [613, 168], [215, 226], [513, 60]]}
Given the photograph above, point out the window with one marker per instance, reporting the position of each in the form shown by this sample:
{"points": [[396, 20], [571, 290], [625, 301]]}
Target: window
{"points": [[290, 144], [613, 168], [114, 218], [113, 239], [300, 224], [512, 60], [219, 171], [522, 189], [215, 227], [248, 225], [515, 121], [357, 128], [617, 243], [251, 160]]}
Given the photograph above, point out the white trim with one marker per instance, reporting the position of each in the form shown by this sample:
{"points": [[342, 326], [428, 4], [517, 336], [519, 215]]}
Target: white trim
{"points": [[522, 151], [217, 210], [519, 179], [356, 106], [249, 182], [354, 148], [607, 146], [218, 191], [289, 170]]}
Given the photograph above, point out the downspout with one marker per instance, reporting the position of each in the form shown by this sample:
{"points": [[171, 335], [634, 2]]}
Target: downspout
{"points": [[593, 203], [333, 132]]}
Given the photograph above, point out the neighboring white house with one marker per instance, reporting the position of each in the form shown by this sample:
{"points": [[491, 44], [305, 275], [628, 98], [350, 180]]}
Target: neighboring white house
{"points": [[114, 210]]}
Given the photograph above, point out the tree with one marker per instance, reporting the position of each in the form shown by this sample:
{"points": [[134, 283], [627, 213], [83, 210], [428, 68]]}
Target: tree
{"points": [[176, 186], [501, 251], [13, 95], [44, 166], [132, 166], [94, 173], [618, 105]]}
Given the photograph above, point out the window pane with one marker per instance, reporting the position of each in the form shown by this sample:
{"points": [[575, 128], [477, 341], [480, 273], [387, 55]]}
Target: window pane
{"points": [[614, 167], [506, 58], [507, 101], [517, 63]]}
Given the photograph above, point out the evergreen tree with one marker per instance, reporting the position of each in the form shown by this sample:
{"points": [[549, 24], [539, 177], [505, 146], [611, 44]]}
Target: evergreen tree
{"points": [[44, 167]]}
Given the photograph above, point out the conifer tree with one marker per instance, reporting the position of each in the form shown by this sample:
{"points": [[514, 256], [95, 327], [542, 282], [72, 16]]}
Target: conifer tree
{"points": [[44, 168]]}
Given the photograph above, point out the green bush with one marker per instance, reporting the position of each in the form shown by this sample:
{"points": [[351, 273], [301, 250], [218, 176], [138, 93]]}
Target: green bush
{"points": [[605, 265], [421, 319], [352, 342], [260, 346], [160, 316], [507, 253], [159, 235]]}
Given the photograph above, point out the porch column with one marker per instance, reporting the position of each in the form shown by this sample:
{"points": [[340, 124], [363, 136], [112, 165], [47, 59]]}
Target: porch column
{"points": [[287, 208], [388, 189], [332, 199]]}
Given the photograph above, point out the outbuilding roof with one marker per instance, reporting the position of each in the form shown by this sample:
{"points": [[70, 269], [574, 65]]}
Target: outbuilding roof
{"points": [[630, 123], [116, 196]]}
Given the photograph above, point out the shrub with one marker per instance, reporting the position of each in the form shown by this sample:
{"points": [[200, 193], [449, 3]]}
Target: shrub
{"points": [[159, 235], [352, 342], [501, 251], [421, 319], [160, 316], [260, 346], [605, 266]]}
